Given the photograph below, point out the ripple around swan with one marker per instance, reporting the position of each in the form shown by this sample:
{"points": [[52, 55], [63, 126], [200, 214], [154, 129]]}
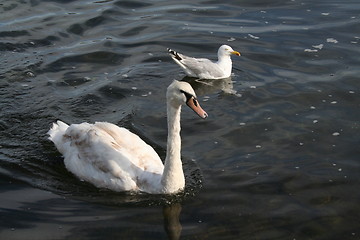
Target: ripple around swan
{"points": [[26, 161]]}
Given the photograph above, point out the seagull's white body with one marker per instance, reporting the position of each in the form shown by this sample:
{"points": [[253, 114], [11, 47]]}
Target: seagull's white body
{"points": [[112, 157], [203, 68]]}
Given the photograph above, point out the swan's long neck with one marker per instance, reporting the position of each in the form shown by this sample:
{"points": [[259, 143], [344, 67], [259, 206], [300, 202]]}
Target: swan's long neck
{"points": [[173, 178]]}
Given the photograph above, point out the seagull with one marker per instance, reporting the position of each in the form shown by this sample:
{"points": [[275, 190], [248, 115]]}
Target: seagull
{"points": [[204, 68]]}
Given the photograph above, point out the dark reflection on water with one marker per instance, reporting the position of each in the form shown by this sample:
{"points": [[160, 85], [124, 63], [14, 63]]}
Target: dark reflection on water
{"points": [[277, 158]]}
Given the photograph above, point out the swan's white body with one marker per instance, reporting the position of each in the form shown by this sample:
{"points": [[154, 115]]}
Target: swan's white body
{"points": [[112, 157], [204, 68]]}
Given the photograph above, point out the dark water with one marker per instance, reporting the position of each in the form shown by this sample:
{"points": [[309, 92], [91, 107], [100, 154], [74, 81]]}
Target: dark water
{"points": [[278, 158]]}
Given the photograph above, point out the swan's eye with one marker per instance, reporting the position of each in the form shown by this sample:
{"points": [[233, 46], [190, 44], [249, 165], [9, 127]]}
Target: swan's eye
{"points": [[190, 97], [187, 95]]}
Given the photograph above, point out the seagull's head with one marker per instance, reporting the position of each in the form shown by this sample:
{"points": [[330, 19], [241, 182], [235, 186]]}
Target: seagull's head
{"points": [[227, 50]]}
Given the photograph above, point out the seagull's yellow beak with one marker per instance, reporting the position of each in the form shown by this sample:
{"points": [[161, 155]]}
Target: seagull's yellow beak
{"points": [[235, 53]]}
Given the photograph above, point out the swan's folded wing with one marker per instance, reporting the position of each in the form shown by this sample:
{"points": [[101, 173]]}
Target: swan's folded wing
{"points": [[109, 156], [140, 153]]}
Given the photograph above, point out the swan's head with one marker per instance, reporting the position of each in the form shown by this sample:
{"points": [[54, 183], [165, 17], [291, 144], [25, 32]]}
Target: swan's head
{"points": [[227, 50], [179, 93]]}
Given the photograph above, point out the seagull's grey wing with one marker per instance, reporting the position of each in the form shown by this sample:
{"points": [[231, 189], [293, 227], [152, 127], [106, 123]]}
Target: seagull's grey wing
{"points": [[197, 67], [202, 67]]}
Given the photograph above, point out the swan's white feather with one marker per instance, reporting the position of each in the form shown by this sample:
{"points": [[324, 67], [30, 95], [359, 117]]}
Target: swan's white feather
{"points": [[108, 156]]}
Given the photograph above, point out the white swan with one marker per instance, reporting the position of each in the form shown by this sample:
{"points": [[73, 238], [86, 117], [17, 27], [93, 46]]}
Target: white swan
{"points": [[112, 157], [204, 68]]}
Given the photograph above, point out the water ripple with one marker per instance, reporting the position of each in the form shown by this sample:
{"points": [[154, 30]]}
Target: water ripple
{"points": [[278, 154]]}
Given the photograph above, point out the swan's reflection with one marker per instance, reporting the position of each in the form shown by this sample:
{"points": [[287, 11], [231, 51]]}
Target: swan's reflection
{"points": [[172, 211], [171, 221], [209, 86]]}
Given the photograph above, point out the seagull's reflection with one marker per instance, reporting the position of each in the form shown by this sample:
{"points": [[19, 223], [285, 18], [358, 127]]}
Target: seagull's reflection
{"points": [[171, 221], [209, 86]]}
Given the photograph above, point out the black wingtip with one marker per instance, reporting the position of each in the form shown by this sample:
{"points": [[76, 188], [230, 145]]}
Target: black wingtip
{"points": [[174, 54]]}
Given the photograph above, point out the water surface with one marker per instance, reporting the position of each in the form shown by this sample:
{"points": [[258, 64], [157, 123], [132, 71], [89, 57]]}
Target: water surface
{"points": [[277, 158]]}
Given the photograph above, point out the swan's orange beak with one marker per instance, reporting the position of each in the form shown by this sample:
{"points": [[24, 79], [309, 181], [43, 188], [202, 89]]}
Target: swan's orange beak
{"points": [[194, 105], [236, 53]]}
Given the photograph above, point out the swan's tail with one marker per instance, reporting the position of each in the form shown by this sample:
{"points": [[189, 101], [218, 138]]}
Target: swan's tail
{"points": [[56, 134]]}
